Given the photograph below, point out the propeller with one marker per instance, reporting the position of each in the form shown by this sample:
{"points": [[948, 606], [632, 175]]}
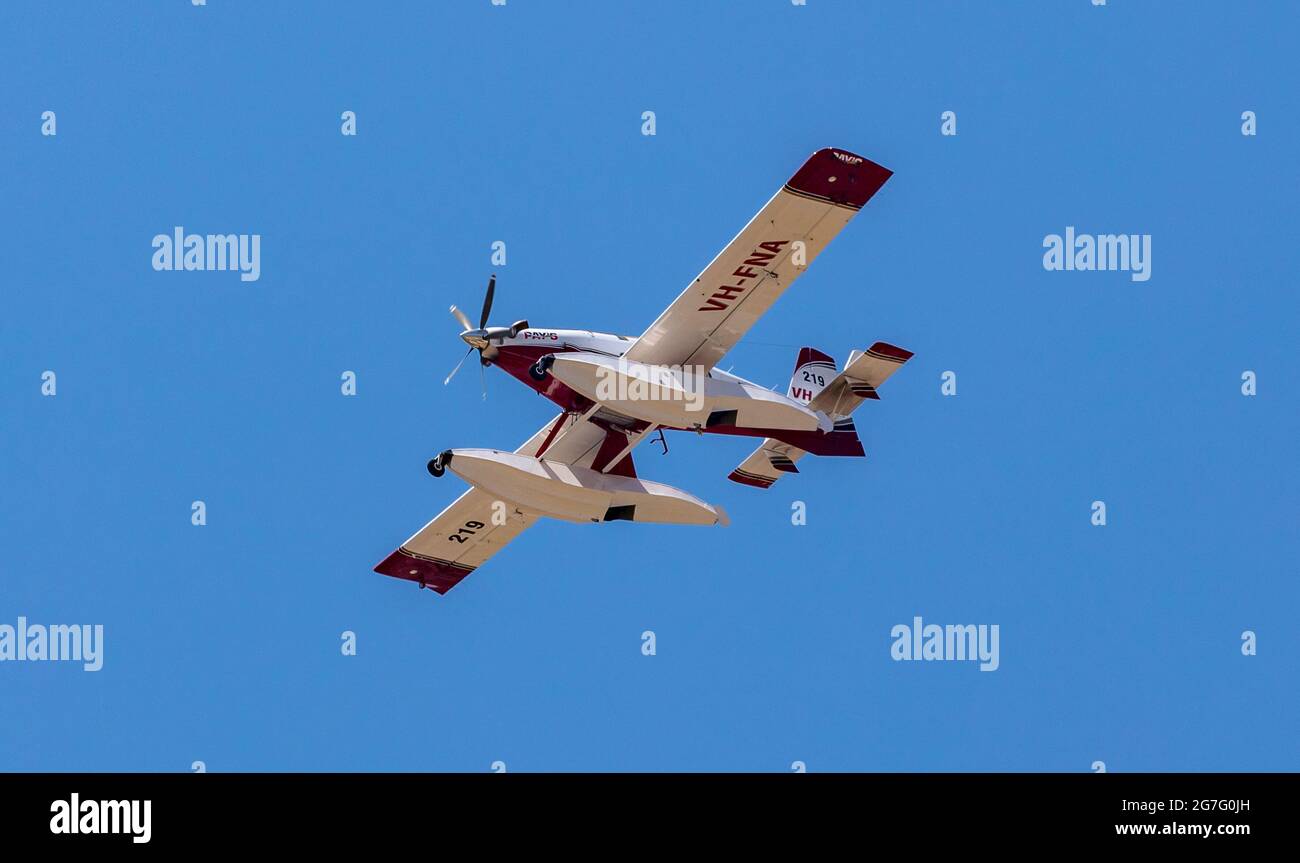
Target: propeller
{"points": [[487, 301], [458, 365], [483, 338], [460, 316]]}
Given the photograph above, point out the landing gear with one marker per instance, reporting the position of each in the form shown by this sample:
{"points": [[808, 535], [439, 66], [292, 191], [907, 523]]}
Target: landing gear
{"points": [[438, 464], [538, 370]]}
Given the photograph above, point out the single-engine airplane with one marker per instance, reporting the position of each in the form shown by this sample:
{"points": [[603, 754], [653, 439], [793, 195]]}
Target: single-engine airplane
{"points": [[614, 391]]}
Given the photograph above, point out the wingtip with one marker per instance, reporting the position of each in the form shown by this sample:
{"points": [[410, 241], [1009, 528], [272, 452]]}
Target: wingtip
{"points": [[887, 351], [749, 479], [839, 176], [439, 577]]}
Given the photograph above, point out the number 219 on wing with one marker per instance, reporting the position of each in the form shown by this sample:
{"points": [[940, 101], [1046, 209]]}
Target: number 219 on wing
{"points": [[470, 528]]}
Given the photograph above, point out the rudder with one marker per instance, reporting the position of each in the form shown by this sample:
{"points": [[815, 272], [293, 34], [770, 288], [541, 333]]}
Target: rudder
{"points": [[813, 370]]}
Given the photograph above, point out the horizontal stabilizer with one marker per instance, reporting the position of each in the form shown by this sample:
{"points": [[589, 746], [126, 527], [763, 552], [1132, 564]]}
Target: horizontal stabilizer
{"points": [[767, 464], [863, 374]]}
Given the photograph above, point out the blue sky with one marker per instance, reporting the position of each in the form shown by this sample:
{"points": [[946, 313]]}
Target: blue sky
{"points": [[476, 123]]}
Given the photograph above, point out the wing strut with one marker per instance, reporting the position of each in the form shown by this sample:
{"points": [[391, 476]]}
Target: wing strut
{"points": [[632, 441], [550, 436]]}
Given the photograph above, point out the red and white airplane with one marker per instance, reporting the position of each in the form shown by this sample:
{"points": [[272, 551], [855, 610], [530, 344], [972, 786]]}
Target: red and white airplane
{"points": [[615, 391]]}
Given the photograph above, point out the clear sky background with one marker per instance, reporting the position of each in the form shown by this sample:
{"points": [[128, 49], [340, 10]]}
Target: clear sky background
{"points": [[523, 123]]}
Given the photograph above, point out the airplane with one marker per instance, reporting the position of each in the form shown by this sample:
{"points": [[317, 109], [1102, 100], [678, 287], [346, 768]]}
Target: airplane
{"points": [[614, 391]]}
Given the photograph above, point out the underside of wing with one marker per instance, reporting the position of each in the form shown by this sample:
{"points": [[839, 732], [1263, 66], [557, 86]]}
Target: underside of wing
{"points": [[463, 536], [580, 441], [756, 267]]}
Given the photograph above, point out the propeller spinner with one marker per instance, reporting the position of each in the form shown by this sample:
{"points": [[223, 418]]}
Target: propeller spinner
{"points": [[483, 338]]}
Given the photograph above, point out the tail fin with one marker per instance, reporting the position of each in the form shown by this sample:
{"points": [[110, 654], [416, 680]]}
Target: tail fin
{"points": [[838, 396], [812, 372]]}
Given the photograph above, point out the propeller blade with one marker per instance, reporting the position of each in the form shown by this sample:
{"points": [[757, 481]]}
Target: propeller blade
{"points": [[482, 379], [460, 316], [458, 365], [487, 301]]}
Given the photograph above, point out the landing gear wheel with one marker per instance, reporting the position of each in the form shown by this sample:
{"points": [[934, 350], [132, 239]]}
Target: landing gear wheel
{"points": [[538, 370], [438, 464]]}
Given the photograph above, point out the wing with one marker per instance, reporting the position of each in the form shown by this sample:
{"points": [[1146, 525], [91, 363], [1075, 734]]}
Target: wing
{"points": [[755, 268], [454, 544], [477, 525]]}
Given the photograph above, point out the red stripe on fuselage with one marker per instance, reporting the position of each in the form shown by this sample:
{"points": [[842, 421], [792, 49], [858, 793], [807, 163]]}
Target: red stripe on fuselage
{"points": [[515, 360]]}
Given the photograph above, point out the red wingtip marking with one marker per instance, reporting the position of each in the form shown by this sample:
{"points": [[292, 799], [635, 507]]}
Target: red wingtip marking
{"points": [[737, 476], [840, 177], [440, 577], [891, 351]]}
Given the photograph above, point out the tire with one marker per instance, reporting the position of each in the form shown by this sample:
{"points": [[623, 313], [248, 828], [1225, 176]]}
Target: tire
{"points": [[538, 370], [438, 464]]}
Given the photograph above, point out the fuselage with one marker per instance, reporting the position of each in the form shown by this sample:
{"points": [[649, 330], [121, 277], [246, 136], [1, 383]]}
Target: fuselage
{"points": [[518, 355]]}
